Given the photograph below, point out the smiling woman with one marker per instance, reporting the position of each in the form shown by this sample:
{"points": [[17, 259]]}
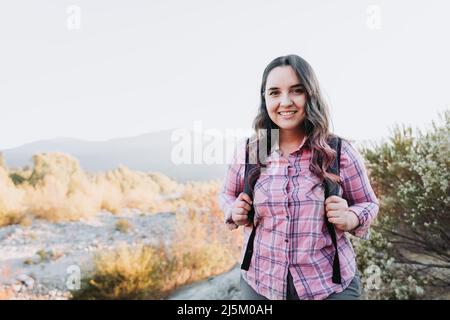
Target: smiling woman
{"points": [[313, 189], [285, 98]]}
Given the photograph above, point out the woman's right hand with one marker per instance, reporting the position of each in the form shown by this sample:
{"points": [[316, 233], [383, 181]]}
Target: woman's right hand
{"points": [[240, 209]]}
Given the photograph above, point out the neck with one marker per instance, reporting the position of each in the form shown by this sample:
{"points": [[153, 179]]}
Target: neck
{"points": [[291, 137]]}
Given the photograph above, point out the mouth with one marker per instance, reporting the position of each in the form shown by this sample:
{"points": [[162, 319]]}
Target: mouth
{"points": [[287, 114]]}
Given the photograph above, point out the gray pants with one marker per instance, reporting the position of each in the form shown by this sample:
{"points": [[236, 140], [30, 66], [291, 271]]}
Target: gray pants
{"points": [[352, 292]]}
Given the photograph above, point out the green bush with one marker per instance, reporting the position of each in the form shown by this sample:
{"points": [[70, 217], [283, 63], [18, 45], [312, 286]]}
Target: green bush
{"points": [[382, 276], [410, 174]]}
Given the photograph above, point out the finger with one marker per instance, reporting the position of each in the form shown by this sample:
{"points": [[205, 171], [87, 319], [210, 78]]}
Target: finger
{"points": [[244, 205], [242, 216], [336, 213], [336, 220], [241, 212], [332, 199], [333, 206], [237, 218], [245, 197], [332, 214], [241, 219]]}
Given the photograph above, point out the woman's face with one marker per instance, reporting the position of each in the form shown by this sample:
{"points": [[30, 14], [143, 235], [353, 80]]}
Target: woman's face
{"points": [[285, 98]]}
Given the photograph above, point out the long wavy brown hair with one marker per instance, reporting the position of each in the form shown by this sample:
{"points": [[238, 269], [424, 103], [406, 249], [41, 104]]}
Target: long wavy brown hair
{"points": [[316, 123]]}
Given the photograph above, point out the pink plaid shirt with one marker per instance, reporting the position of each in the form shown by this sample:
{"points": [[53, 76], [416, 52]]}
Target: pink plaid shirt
{"points": [[291, 233]]}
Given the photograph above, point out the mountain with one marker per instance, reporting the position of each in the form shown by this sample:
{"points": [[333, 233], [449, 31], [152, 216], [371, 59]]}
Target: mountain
{"points": [[146, 152]]}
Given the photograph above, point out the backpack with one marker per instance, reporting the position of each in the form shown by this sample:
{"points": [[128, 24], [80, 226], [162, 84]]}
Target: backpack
{"points": [[331, 188]]}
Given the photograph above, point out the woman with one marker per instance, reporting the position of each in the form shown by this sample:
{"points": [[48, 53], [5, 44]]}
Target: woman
{"points": [[293, 249]]}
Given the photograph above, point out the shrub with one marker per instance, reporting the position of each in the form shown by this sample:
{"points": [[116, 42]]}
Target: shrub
{"points": [[123, 225], [56, 188], [135, 272], [201, 247], [11, 200], [411, 174]]}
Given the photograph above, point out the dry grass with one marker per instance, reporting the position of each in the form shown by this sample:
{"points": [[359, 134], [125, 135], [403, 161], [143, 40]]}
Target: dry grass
{"points": [[43, 256], [57, 189], [11, 200], [123, 226], [202, 247], [126, 273]]}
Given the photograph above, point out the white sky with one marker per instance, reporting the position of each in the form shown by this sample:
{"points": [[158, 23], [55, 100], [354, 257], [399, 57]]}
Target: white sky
{"points": [[140, 66]]}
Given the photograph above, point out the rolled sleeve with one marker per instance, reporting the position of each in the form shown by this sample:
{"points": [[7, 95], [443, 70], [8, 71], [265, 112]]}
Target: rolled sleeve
{"points": [[233, 183], [357, 190]]}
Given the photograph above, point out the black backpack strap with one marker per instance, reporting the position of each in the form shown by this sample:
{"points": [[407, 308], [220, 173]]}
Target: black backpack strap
{"points": [[332, 188], [249, 250], [248, 189]]}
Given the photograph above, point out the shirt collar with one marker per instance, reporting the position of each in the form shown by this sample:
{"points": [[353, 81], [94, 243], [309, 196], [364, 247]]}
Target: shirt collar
{"points": [[276, 147]]}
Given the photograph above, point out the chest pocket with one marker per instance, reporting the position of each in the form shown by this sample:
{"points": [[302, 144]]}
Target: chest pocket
{"points": [[315, 192], [270, 196], [315, 188], [310, 188]]}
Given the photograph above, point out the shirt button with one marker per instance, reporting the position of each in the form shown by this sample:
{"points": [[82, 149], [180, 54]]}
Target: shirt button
{"points": [[286, 240], [287, 217]]}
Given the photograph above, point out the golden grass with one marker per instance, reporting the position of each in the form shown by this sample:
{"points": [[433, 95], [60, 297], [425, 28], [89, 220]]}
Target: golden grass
{"points": [[126, 273], [11, 200], [57, 189], [202, 247], [123, 226]]}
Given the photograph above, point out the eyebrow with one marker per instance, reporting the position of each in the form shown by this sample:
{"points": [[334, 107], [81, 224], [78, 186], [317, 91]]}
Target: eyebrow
{"points": [[293, 86]]}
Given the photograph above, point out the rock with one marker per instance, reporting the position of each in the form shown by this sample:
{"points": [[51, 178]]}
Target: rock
{"points": [[26, 280], [222, 287], [17, 287], [71, 242]]}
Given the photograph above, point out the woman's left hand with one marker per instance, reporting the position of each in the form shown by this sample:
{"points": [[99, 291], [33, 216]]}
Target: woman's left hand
{"points": [[338, 213]]}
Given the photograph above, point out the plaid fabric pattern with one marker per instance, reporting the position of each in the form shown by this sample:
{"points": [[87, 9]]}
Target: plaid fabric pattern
{"points": [[291, 233]]}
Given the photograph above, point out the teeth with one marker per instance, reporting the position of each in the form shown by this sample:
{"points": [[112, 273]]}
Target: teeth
{"points": [[286, 113]]}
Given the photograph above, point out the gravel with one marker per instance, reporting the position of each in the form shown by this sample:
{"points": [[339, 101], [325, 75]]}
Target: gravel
{"points": [[37, 261]]}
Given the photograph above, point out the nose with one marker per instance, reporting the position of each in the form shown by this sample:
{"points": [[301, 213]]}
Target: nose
{"points": [[285, 100]]}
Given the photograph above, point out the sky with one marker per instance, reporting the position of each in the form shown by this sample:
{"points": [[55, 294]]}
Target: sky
{"points": [[97, 70]]}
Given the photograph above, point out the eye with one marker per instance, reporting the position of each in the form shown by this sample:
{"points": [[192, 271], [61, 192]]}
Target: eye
{"points": [[273, 93], [299, 90]]}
